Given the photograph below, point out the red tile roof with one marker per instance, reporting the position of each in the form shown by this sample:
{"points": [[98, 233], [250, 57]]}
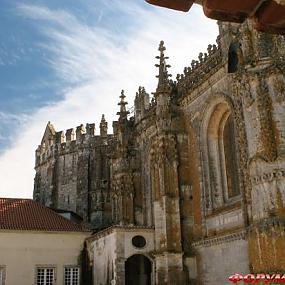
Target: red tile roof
{"points": [[268, 15], [28, 215]]}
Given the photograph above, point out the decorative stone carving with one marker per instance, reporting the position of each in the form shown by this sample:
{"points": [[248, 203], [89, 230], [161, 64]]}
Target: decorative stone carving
{"points": [[268, 177], [247, 94], [279, 88], [221, 239], [200, 70], [216, 195], [244, 180], [264, 44], [164, 149], [264, 106]]}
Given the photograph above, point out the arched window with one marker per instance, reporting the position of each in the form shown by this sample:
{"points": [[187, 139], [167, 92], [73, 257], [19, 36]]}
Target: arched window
{"points": [[221, 157], [230, 158], [234, 57]]}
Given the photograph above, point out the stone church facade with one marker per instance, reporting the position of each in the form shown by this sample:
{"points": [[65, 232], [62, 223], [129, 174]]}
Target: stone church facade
{"points": [[191, 188]]}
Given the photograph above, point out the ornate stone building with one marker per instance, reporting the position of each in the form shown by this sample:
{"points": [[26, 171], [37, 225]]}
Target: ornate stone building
{"points": [[191, 189]]}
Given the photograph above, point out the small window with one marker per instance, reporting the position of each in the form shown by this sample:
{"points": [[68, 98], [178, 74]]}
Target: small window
{"points": [[45, 276], [139, 241], [234, 57], [71, 276], [2, 275]]}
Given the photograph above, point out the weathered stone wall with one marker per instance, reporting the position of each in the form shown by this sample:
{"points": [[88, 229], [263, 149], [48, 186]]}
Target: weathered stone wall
{"points": [[111, 248], [72, 173], [218, 258], [104, 259]]}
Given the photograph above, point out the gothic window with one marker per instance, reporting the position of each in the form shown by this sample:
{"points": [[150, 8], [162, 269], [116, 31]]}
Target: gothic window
{"points": [[230, 158], [221, 157]]}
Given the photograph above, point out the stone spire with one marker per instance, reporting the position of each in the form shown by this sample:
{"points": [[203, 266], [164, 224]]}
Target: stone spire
{"points": [[123, 111], [163, 81]]}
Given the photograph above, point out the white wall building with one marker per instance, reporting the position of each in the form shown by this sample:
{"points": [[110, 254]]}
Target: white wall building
{"points": [[38, 246]]}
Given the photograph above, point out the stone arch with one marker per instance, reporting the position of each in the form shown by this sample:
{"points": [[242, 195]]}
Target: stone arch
{"points": [[147, 255], [219, 154], [138, 270]]}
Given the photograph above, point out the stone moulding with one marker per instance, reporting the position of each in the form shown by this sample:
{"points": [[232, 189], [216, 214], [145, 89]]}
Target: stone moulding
{"points": [[268, 177], [221, 239], [111, 229]]}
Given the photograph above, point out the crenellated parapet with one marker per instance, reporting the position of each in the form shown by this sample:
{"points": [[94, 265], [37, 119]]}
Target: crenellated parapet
{"points": [[201, 69], [56, 143]]}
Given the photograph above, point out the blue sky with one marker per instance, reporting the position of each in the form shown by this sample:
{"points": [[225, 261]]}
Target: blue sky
{"points": [[66, 62]]}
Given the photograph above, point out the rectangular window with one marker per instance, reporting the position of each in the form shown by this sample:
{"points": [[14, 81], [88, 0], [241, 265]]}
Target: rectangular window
{"points": [[71, 276], [2, 275], [45, 276]]}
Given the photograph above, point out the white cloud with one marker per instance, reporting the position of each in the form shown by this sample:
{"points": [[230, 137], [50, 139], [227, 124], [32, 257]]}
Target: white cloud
{"points": [[99, 62]]}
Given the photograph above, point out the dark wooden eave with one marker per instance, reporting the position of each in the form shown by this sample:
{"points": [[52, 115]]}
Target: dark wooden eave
{"points": [[268, 15]]}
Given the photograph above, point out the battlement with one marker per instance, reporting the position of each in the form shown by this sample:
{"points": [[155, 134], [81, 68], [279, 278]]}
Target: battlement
{"points": [[79, 134], [60, 142], [200, 69]]}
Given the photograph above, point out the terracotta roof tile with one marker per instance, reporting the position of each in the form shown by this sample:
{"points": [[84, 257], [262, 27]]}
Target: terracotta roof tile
{"points": [[268, 15], [26, 214]]}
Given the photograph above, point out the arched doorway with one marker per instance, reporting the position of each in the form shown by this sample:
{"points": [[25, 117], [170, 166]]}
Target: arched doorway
{"points": [[138, 270]]}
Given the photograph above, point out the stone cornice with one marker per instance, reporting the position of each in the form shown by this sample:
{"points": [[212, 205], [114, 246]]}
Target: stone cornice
{"points": [[220, 239], [112, 229]]}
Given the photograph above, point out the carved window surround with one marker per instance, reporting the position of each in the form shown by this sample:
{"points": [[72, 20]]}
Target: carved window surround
{"points": [[219, 158], [226, 208], [241, 235]]}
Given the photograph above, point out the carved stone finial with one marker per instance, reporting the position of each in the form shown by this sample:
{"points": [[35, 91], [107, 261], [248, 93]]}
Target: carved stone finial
{"points": [[209, 49], [163, 73], [123, 111], [122, 95], [141, 92], [200, 57]]}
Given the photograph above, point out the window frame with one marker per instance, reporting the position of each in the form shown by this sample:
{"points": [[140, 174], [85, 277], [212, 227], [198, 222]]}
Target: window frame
{"points": [[215, 184], [45, 266], [74, 266], [3, 270]]}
